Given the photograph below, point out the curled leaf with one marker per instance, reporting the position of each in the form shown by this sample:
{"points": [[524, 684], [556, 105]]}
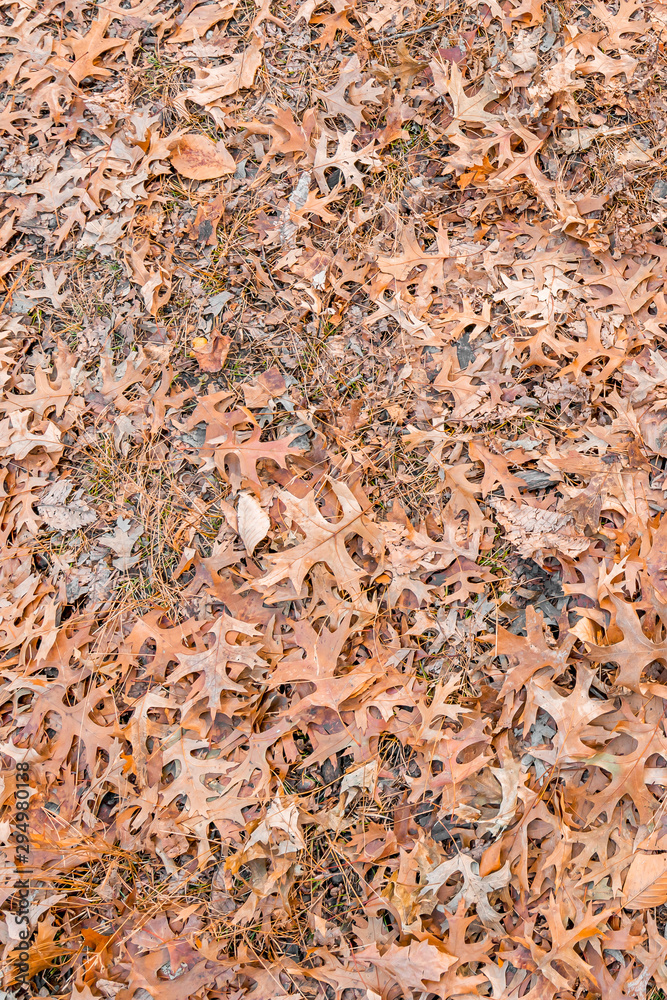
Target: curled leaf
{"points": [[253, 522], [211, 354]]}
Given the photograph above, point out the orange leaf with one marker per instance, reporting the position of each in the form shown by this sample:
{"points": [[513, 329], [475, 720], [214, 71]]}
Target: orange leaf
{"points": [[201, 159], [646, 882], [211, 354]]}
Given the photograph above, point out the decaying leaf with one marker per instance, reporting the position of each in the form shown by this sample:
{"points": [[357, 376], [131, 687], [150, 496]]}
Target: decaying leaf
{"points": [[535, 532], [62, 514]]}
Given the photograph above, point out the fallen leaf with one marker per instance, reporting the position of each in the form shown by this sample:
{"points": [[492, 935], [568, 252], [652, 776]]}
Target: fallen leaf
{"points": [[253, 522], [60, 514], [211, 354], [646, 882], [535, 532], [122, 541], [201, 159], [656, 560]]}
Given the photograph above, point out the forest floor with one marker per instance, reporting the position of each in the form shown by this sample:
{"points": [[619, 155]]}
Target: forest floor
{"points": [[333, 435]]}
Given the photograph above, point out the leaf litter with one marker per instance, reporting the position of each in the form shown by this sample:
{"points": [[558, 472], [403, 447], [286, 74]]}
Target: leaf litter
{"points": [[333, 439]]}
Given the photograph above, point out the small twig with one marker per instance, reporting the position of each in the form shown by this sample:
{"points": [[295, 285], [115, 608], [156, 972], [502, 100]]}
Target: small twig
{"points": [[414, 31]]}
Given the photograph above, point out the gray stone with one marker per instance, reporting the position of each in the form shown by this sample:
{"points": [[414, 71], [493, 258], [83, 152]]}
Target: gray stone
{"points": [[659, 191]]}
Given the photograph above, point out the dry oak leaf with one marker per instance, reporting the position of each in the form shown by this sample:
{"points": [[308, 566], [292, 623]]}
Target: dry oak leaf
{"points": [[418, 962], [573, 713], [198, 22], [215, 82], [653, 428], [566, 930], [61, 515], [609, 67], [336, 101], [315, 658], [51, 289], [523, 164], [345, 160], [466, 109], [530, 653], [269, 385], [281, 815], [619, 283], [656, 560], [475, 889], [201, 159], [7, 263], [17, 441], [121, 541], [404, 70], [204, 228], [621, 28], [297, 133], [210, 803], [324, 541], [534, 531], [585, 506], [633, 653], [237, 453], [217, 662], [646, 882], [558, 78], [253, 522], [49, 394], [85, 49], [361, 779], [590, 350]]}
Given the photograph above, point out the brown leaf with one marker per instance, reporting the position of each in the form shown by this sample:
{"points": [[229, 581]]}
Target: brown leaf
{"points": [[324, 541], [122, 540], [213, 82], [268, 385], [653, 425], [586, 506], [211, 354], [203, 229], [419, 962], [646, 882], [534, 531], [253, 522], [656, 560], [201, 159]]}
